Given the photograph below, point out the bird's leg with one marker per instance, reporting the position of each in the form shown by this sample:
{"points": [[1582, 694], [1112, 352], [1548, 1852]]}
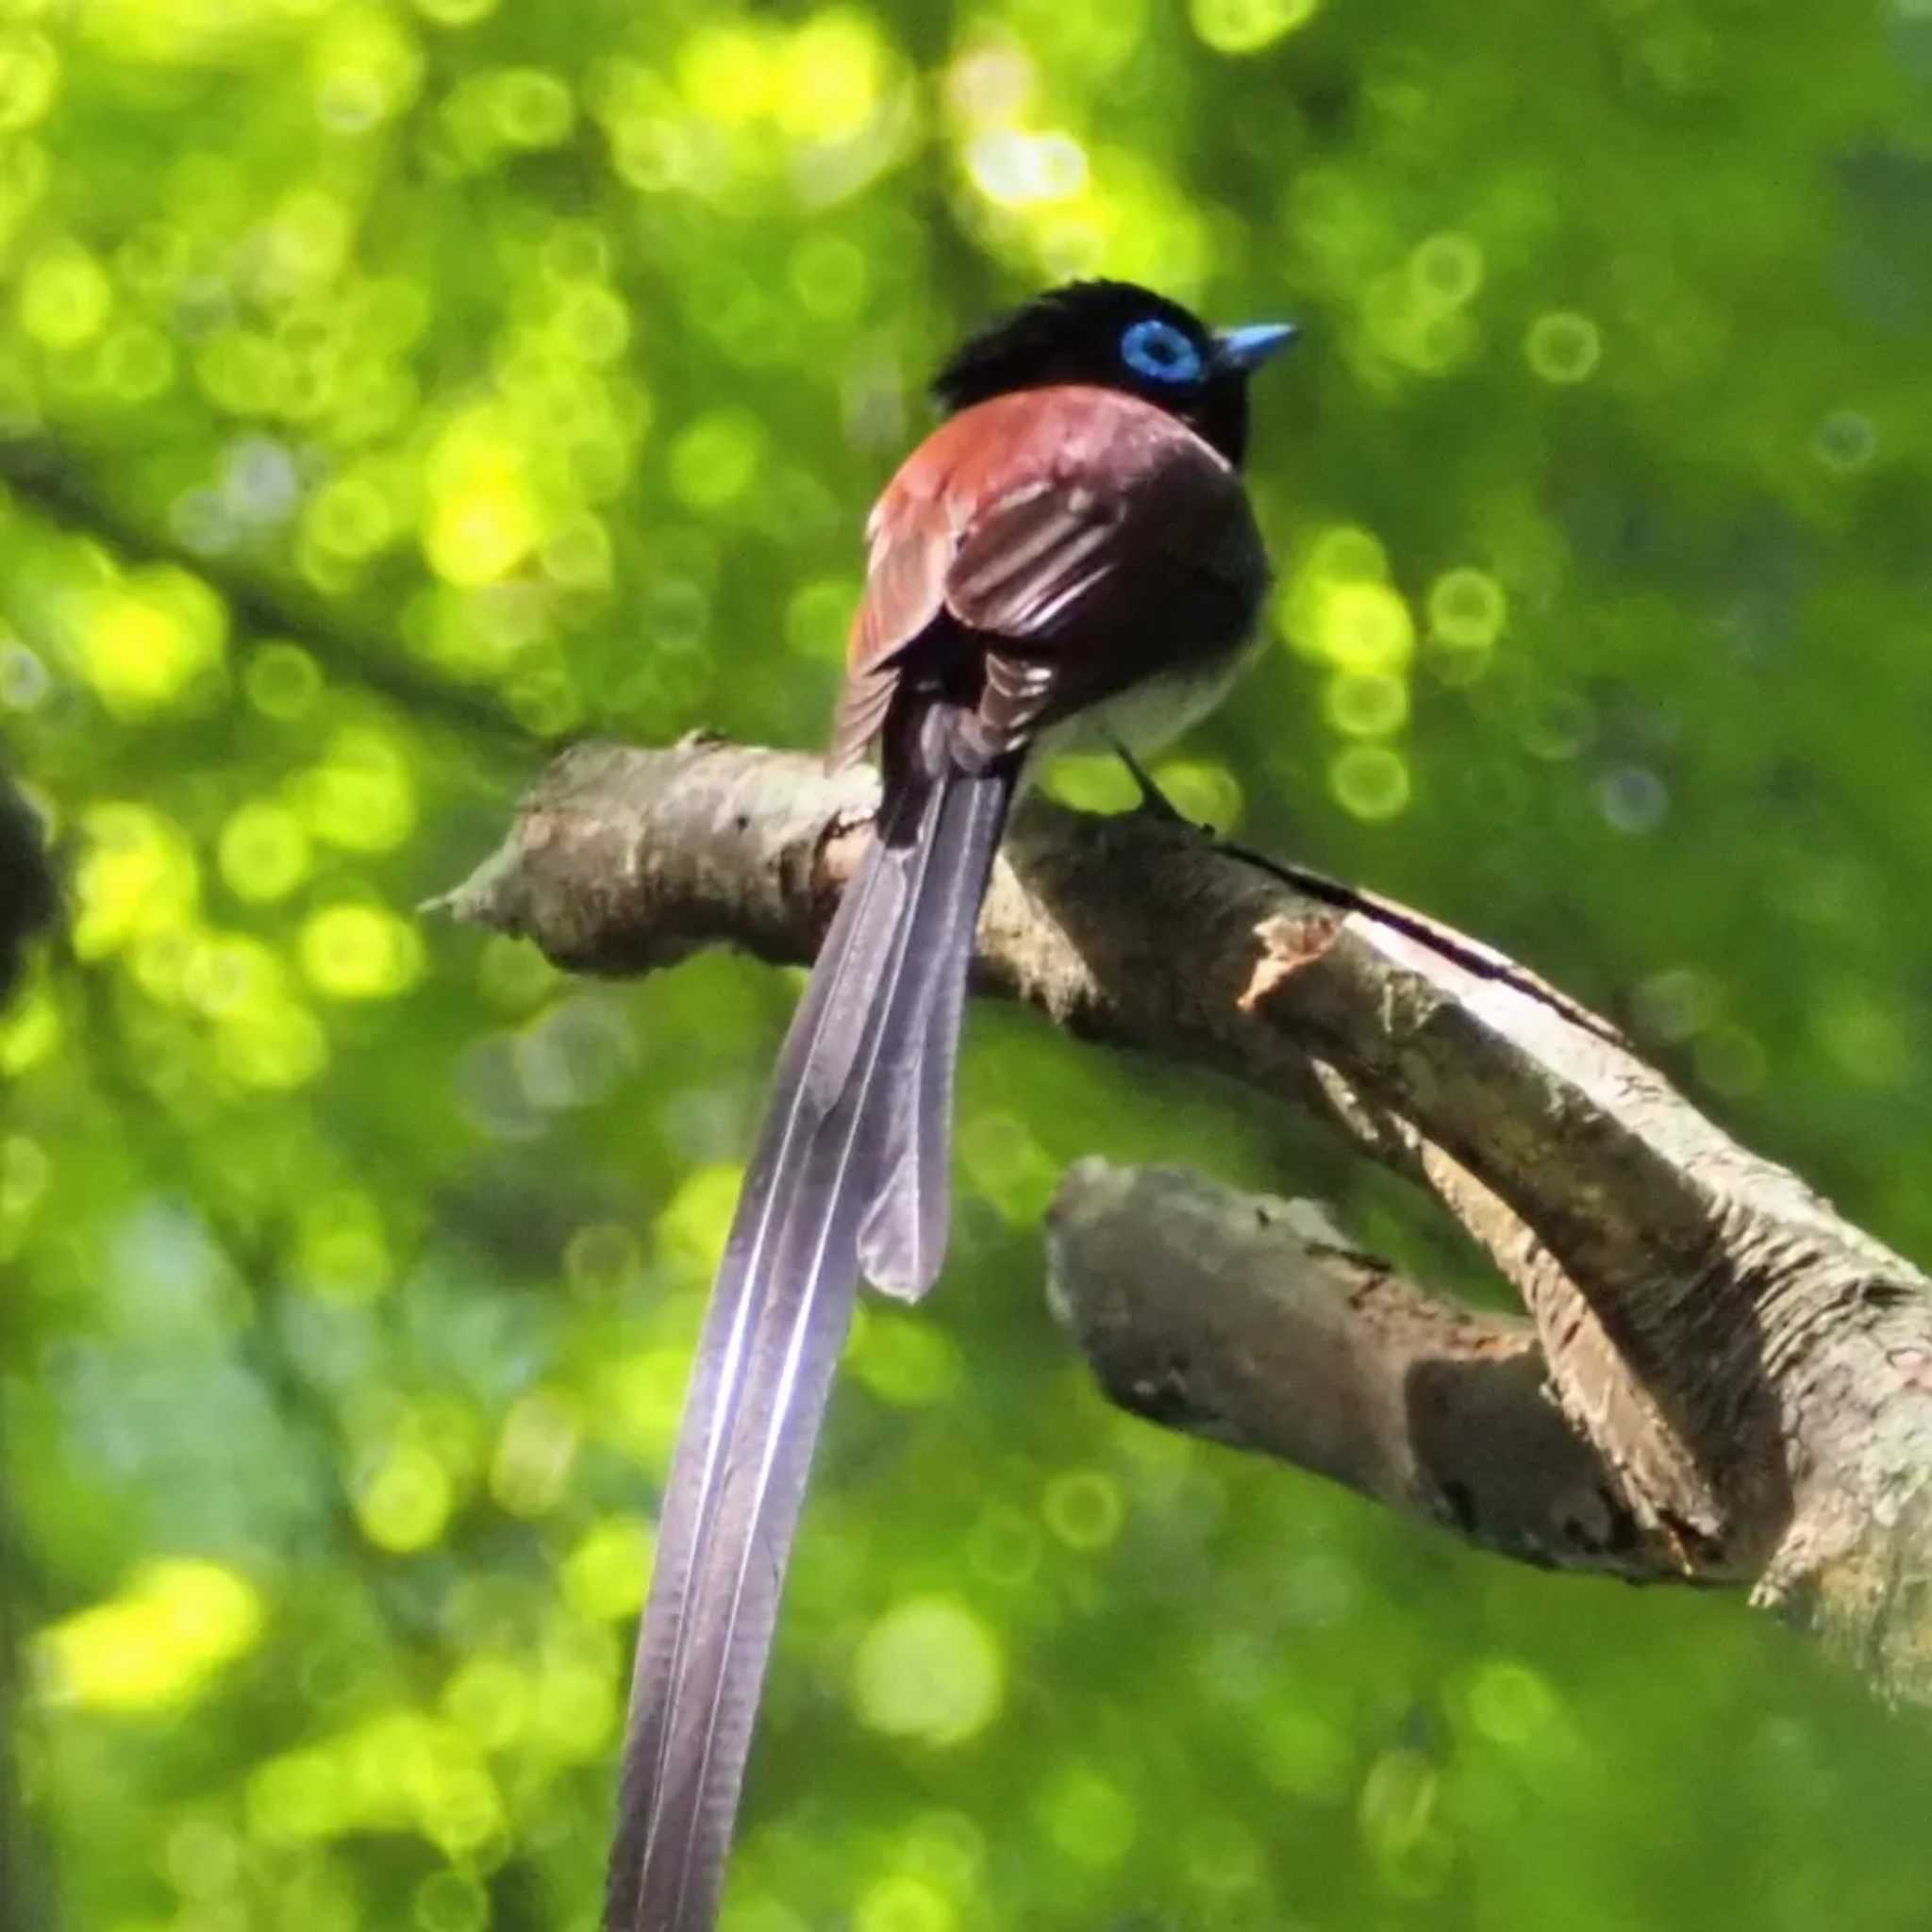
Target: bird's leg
{"points": [[1153, 801]]}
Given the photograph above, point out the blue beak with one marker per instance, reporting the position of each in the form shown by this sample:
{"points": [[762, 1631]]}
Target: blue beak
{"points": [[1248, 348]]}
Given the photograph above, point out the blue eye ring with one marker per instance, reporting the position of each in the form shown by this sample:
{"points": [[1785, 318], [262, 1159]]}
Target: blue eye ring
{"points": [[1160, 352]]}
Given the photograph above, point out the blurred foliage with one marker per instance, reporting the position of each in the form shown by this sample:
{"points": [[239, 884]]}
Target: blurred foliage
{"points": [[390, 391]]}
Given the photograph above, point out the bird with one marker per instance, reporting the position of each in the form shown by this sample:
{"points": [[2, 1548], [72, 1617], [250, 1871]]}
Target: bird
{"points": [[1069, 559]]}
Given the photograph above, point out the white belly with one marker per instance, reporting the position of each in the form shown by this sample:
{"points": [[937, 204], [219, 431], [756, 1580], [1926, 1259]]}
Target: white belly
{"points": [[1146, 716]]}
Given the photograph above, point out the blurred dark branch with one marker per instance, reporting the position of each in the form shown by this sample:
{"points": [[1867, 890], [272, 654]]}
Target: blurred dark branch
{"points": [[29, 896], [29, 902], [48, 481], [1741, 1381]]}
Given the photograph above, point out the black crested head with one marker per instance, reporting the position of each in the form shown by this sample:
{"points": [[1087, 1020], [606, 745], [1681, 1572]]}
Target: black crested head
{"points": [[1117, 335]]}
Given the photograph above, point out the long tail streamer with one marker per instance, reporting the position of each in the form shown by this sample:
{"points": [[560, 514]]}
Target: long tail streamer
{"points": [[850, 1171]]}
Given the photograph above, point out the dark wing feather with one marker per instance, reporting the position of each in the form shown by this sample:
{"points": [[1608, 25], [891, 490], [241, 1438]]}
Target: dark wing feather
{"points": [[1034, 558]]}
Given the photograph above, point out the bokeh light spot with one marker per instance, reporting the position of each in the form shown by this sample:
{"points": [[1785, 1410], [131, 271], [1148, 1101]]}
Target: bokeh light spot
{"points": [[604, 1575], [482, 520], [455, 12], [1245, 26], [531, 107], [1005, 1545], [1366, 703], [1467, 609], [489, 1697], [601, 1260], [405, 1502], [729, 72], [29, 78], [1007, 1164], [179, 1622], [992, 78], [1412, 1854], [1867, 1037], [1084, 1508], [308, 238], [1633, 799], [137, 874], [281, 680], [1201, 790], [576, 552], [1014, 169], [1087, 1818], [220, 974], [595, 322], [64, 296], [830, 276], [296, 1798], [361, 796], [1731, 1061], [928, 1669], [276, 1044], [1447, 267], [25, 1174], [341, 1250], [203, 1856], [1348, 562], [637, 1400], [1846, 441], [903, 1902], [1090, 781], [693, 1225], [714, 461], [574, 1709], [534, 1455], [136, 362], [364, 67], [30, 1030], [263, 853], [1364, 627], [146, 644], [832, 76], [903, 1362], [351, 517], [945, 1845], [1564, 346], [1511, 1704], [1370, 781], [358, 952], [25, 680], [818, 617]]}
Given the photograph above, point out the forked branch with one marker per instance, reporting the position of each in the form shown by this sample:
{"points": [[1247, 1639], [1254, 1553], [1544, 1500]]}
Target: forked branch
{"points": [[1718, 1378]]}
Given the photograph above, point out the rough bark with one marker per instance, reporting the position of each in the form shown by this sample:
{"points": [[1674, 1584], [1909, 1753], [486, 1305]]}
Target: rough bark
{"points": [[1718, 1380]]}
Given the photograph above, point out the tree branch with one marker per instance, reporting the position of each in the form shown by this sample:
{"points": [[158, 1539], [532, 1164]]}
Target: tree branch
{"points": [[1742, 1378], [50, 482], [1253, 1322]]}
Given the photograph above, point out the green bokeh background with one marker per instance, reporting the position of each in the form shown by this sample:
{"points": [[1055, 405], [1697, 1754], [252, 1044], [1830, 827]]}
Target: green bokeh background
{"points": [[389, 392]]}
